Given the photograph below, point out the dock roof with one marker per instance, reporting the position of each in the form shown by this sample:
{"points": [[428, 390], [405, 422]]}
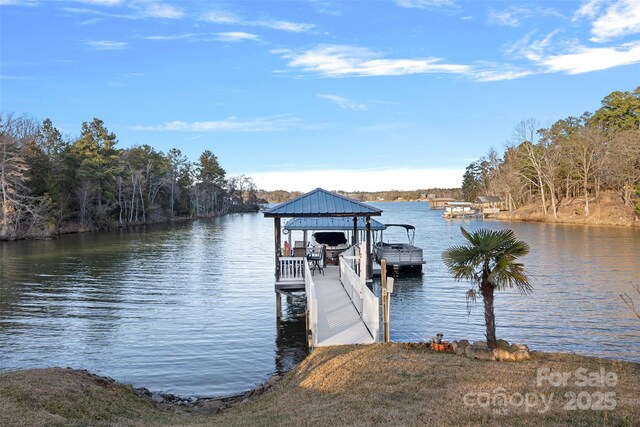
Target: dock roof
{"points": [[322, 203], [327, 223]]}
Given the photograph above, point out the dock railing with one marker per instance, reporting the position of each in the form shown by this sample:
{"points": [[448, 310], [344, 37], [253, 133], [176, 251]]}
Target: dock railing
{"points": [[292, 269], [312, 304], [353, 267]]}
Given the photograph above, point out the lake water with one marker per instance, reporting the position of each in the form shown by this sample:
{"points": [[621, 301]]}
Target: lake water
{"points": [[190, 309]]}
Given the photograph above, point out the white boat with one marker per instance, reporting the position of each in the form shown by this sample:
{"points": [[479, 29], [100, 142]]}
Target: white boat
{"points": [[400, 254], [458, 209]]}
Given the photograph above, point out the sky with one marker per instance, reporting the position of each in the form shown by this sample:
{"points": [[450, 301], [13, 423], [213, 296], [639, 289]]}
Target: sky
{"points": [[344, 95]]}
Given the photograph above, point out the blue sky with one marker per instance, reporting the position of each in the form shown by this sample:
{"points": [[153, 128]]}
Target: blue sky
{"points": [[345, 95]]}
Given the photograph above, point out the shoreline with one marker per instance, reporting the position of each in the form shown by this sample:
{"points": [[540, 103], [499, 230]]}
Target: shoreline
{"points": [[74, 229], [410, 383]]}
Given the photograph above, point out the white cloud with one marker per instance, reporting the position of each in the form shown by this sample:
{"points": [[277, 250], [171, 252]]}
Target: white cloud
{"points": [[188, 36], [19, 2], [343, 102], [236, 36], [292, 27], [506, 18], [589, 9], [343, 61], [163, 11], [489, 72], [358, 179], [513, 16], [584, 59], [220, 17], [620, 19], [108, 3], [106, 45], [425, 4], [134, 9], [225, 17], [233, 36], [232, 124], [533, 50]]}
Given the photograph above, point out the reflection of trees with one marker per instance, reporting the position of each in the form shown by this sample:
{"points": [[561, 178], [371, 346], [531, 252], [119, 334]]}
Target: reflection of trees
{"points": [[291, 343], [629, 301]]}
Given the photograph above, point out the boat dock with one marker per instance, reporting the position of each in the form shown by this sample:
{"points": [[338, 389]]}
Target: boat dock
{"points": [[341, 309]]}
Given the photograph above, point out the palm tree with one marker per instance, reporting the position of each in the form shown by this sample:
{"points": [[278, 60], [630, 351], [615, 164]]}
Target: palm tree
{"points": [[489, 263]]}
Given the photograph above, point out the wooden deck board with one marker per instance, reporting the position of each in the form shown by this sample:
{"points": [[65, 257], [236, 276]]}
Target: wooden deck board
{"points": [[338, 321]]}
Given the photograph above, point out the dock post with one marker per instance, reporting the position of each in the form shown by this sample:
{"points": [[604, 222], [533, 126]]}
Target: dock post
{"points": [[277, 236], [385, 302], [368, 239], [278, 305]]}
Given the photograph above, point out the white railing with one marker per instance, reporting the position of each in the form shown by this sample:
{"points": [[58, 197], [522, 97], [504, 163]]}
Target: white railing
{"points": [[292, 269], [352, 262], [312, 304]]}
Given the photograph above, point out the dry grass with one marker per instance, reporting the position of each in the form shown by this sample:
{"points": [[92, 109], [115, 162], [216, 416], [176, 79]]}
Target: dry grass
{"points": [[608, 210], [397, 384], [56, 396], [404, 384]]}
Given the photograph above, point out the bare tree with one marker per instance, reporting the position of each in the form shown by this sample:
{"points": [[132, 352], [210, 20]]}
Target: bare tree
{"points": [[585, 150], [526, 134]]}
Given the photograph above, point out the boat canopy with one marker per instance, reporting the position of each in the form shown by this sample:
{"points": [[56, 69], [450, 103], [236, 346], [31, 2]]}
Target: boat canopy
{"points": [[330, 223], [411, 230], [461, 204], [406, 226]]}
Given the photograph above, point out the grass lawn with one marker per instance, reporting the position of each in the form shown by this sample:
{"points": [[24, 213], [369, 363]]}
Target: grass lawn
{"points": [[397, 384]]}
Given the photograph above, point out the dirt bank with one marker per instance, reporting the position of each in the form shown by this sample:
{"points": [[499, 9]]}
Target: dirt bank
{"points": [[609, 210]]}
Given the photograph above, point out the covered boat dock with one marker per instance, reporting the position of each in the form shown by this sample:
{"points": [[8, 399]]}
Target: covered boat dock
{"points": [[341, 309]]}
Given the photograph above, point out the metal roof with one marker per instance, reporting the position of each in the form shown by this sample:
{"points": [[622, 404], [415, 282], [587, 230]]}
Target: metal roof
{"points": [[322, 203], [488, 199], [328, 223]]}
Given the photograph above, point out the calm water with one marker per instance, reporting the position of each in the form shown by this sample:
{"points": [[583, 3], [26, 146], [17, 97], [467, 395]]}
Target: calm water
{"points": [[190, 308]]}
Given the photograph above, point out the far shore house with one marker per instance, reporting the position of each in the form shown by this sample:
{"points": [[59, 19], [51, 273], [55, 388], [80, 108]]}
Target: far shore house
{"points": [[488, 202], [439, 202], [488, 205]]}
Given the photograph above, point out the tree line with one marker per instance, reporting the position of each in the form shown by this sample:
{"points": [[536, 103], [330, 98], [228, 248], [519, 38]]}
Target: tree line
{"points": [[50, 184], [576, 158]]}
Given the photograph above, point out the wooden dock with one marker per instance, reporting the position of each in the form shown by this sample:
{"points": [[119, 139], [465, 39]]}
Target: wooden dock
{"points": [[339, 322]]}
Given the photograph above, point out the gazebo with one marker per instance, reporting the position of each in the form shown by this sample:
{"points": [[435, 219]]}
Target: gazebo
{"points": [[321, 203]]}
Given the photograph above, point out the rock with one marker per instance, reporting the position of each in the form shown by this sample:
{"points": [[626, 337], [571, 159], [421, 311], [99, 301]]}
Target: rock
{"points": [[157, 398], [521, 355], [463, 343], [483, 354], [453, 345], [468, 351], [208, 407], [476, 352], [515, 347], [480, 344], [503, 344], [274, 378], [502, 354]]}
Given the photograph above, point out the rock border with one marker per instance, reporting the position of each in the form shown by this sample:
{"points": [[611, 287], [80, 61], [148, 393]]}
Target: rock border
{"points": [[480, 350]]}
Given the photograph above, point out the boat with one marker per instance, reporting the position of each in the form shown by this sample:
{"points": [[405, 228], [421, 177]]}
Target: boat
{"points": [[458, 210], [400, 255]]}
